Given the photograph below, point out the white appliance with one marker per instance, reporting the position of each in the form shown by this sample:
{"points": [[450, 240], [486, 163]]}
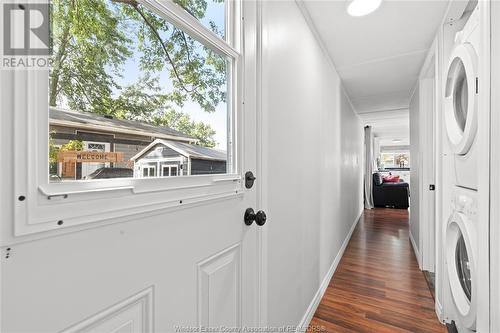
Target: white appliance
{"points": [[461, 260], [461, 101]]}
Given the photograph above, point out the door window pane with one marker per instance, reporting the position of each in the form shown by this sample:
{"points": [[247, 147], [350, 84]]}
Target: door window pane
{"points": [[127, 87]]}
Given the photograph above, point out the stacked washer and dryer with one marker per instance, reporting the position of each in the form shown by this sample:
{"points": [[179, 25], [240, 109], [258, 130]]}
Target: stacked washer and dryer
{"points": [[461, 118]]}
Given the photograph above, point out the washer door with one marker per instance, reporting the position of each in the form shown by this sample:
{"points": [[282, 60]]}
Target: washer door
{"points": [[461, 98], [460, 261]]}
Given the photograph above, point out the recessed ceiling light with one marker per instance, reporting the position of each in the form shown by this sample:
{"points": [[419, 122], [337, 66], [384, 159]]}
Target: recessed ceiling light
{"points": [[362, 7], [396, 140]]}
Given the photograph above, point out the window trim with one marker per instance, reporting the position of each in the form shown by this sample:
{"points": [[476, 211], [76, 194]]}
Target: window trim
{"points": [[48, 206], [183, 20], [169, 167], [149, 168]]}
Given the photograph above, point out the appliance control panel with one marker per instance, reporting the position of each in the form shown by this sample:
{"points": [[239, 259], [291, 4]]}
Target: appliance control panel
{"points": [[466, 204]]}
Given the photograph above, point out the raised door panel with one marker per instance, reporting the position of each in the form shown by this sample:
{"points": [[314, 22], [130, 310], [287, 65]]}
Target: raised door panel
{"points": [[133, 315], [219, 291]]}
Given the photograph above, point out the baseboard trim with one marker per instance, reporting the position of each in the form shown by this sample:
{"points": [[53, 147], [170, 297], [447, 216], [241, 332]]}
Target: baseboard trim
{"points": [[415, 251], [439, 310], [306, 319]]}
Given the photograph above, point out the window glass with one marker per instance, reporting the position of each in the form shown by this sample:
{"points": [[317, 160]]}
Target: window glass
{"points": [[394, 160], [127, 88], [148, 171], [167, 170]]}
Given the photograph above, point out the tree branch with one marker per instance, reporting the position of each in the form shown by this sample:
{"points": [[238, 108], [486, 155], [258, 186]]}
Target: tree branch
{"points": [[135, 5], [185, 44]]}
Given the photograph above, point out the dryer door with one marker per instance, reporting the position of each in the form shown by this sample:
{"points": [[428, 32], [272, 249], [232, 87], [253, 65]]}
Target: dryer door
{"points": [[461, 98], [460, 261]]}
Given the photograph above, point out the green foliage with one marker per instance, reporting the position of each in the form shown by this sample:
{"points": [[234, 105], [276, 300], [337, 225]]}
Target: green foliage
{"points": [[72, 145], [53, 150], [183, 123], [89, 49], [94, 39]]}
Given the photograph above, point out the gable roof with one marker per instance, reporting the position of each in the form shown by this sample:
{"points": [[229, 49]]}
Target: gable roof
{"points": [[185, 149], [93, 121]]}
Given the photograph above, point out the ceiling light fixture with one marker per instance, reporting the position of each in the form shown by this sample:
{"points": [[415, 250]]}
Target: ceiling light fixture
{"points": [[396, 140], [362, 7]]}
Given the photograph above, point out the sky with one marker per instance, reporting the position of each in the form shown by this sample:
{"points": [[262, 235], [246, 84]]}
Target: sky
{"points": [[218, 120]]}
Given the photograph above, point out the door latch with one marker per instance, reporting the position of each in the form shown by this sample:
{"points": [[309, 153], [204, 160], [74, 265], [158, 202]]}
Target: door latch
{"points": [[249, 179]]}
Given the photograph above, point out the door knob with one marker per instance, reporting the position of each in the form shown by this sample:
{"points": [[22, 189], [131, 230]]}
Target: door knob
{"points": [[260, 217]]}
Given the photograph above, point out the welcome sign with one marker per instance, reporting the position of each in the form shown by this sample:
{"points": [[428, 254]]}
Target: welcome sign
{"points": [[90, 156]]}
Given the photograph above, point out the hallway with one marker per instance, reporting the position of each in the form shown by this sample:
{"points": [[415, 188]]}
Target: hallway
{"points": [[378, 286]]}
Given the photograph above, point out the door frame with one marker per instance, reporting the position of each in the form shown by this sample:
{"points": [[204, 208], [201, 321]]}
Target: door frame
{"points": [[485, 141], [427, 165], [494, 238], [253, 60]]}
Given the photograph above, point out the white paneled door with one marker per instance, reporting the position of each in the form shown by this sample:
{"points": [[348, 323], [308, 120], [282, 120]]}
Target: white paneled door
{"points": [[185, 263]]}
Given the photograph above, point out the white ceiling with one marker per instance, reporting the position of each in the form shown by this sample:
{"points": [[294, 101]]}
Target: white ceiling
{"points": [[389, 126], [378, 56]]}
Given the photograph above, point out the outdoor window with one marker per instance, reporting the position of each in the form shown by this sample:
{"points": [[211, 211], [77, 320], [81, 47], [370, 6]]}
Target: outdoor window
{"points": [[128, 85], [149, 171], [169, 170], [394, 160]]}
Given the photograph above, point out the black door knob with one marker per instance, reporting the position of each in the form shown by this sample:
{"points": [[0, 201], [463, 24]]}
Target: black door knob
{"points": [[260, 217]]}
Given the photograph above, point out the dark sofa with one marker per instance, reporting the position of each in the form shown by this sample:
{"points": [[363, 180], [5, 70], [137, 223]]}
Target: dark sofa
{"points": [[390, 194]]}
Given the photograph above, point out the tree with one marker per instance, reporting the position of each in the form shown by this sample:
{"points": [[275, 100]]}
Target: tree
{"points": [[93, 39], [183, 123], [196, 71], [89, 49], [72, 145], [53, 150], [135, 104]]}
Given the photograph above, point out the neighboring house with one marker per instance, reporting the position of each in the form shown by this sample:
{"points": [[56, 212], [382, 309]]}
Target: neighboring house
{"points": [[103, 134], [165, 158]]}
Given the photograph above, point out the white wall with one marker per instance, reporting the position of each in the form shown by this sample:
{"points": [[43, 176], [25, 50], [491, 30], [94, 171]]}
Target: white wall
{"points": [[414, 171], [314, 159]]}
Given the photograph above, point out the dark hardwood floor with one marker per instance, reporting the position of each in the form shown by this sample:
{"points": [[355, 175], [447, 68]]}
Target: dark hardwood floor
{"points": [[377, 286]]}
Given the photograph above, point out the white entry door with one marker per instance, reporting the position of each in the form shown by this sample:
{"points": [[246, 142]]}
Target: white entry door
{"points": [[163, 254]]}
